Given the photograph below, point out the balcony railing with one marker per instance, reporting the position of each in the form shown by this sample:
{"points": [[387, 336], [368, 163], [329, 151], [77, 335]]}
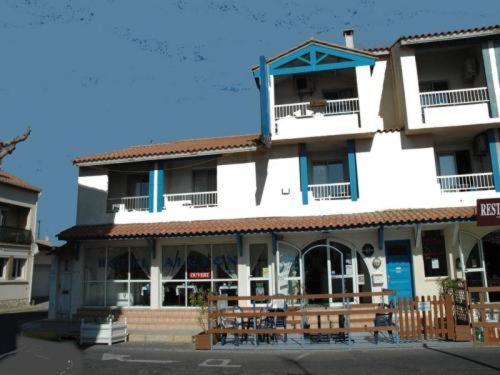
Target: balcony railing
{"points": [[309, 109], [15, 235], [198, 199], [466, 182], [321, 192], [454, 97], [137, 203]]}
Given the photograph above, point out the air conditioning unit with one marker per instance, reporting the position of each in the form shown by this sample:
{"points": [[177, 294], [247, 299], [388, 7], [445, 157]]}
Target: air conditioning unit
{"points": [[480, 145], [117, 207]]}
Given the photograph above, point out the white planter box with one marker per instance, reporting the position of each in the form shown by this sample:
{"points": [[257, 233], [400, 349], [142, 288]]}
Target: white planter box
{"points": [[103, 333]]}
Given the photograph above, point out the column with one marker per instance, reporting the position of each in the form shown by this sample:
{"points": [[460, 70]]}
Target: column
{"points": [[353, 173], [491, 75], [160, 186], [264, 99], [155, 297], [304, 175]]}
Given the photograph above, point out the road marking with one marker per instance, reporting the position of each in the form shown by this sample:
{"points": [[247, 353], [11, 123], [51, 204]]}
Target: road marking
{"points": [[303, 355], [8, 353], [124, 358], [41, 356], [219, 363]]}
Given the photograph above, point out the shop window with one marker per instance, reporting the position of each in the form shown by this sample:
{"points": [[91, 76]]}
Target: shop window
{"points": [[260, 270], [187, 269], [3, 266], [18, 268], [434, 253], [117, 276]]}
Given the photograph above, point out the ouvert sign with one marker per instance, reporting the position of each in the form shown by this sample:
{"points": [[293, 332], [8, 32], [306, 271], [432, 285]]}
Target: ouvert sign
{"points": [[488, 212]]}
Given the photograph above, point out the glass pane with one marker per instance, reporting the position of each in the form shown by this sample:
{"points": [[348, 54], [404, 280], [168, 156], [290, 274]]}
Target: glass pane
{"points": [[198, 262], [447, 165], [93, 294], [335, 173], [117, 295], [473, 260], [289, 287], [174, 294], [197, 287], [259, 265], [140, 293], [335, 260], [225, 261], [289, 258], [259, 287], [474, 279], [434, 253], [320, 174], [364, 280], [95, 263], [337, 288], [140, 263], [118, 263], [204, 180], [229, 288], [173, 262]]}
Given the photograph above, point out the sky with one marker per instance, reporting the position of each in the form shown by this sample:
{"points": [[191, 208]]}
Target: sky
{"points": [[97, 75]]}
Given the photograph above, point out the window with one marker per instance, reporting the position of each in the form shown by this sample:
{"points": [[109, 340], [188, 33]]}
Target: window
{"points": [[3, 266], [3, 217], [138, 185], [187, 269], [453, 163], [434, 253], [327, 172], [260, 270], [427, 86], [117, 276], [17, 271], [339, 94], [204, 180]]}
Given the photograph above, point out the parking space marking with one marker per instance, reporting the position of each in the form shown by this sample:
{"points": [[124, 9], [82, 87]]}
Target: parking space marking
{"points": [[218, 363], [124, 358]]}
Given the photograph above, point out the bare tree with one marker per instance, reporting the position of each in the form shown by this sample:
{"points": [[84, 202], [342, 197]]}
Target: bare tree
{"points": [[8, 147]]}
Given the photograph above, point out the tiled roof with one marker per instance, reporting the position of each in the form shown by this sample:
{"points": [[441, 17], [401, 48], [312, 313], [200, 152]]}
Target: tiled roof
{"points": [[179, 147], [10, 179], [267, 224], [478, 31]]}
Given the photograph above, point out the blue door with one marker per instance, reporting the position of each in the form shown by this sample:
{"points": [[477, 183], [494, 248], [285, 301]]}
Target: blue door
{"points": [[399, 268]]}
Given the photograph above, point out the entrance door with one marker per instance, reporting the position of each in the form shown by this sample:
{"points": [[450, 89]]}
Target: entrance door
{"points": [[64, 288], [399, 269], [316, 273]]}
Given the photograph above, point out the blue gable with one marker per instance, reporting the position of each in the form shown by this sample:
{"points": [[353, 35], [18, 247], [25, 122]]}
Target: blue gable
{"points": [[316, 58]]}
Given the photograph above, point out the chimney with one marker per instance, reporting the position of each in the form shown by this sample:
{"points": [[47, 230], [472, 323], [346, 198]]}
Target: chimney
{"points": [[349, 38]]}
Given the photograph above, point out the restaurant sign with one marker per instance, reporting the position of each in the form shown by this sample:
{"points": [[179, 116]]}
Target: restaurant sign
{"points": [[488, 212]]}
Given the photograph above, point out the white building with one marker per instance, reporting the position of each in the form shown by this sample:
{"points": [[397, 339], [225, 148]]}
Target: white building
{"points": [[18, 210], [379, 155]]}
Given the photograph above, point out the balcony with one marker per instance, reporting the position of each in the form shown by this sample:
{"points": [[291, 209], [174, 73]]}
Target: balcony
{"points": [[466, 182], [450, 106], [15, 235], [314, 108], [191, 200], [122, 204], [324, 192]]}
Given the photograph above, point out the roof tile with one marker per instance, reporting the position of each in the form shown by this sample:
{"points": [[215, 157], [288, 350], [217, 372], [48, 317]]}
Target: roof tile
{"points": [[10, 179]]}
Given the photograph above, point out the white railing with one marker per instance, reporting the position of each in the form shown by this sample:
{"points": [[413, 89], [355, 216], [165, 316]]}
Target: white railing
{"points": [[201, 199], [137, 203], [466, 182], [321, 192], [331, 107], [454, 97]]}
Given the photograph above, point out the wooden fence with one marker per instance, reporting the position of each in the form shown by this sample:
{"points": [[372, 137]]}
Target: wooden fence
{"points": [[485, 316]]}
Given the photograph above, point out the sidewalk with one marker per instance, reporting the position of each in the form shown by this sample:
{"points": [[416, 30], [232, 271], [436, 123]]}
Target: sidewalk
{"points": [[39, 307]]}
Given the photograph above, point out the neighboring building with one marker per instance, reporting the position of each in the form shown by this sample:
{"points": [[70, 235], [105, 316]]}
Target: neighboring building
{"points": [[41, 271], [378, 155], [18, 210]]}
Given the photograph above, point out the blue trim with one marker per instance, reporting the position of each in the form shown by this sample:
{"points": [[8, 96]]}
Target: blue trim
{"points": [[304, 175], [277, 68], [489, 80], [381, 237], [265, 128], [151, 187], [353, 175], [495, 166], [77, 250], [152, 247], [160, 187], [274, 242]]}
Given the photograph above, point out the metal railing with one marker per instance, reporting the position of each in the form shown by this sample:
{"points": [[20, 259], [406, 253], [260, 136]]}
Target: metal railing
{"points": [[198, 199], [15, 235], [454, 97], [466, 182], [330, 107], [322, 192], [137, 203]]}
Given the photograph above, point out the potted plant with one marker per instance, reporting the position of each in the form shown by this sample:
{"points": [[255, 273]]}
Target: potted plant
{"points": [[199, 299]]}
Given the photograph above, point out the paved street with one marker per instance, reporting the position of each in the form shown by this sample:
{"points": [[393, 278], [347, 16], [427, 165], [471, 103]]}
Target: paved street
{"points": [[42, 357]]}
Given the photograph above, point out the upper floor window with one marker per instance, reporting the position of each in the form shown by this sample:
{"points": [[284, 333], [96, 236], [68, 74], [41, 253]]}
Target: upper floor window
{"points": [[327, 172], [3, 217], [434, 252], [454, 163], [337, 94], [204, 180], [427, 86], [137, 185]]}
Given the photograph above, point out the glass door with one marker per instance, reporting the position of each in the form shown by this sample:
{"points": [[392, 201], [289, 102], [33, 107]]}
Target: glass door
{"points": [[260, 270], [288, 262]]}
